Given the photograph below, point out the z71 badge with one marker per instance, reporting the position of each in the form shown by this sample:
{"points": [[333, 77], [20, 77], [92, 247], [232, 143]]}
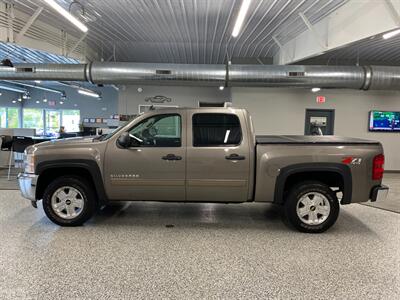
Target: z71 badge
{"points": [[352, 160]]}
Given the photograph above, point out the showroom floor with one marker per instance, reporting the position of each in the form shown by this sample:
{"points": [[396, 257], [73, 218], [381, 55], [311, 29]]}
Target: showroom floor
{"points": [[193, 251]]}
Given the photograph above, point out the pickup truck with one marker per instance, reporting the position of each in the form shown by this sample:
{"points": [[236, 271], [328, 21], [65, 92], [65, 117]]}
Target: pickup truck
{"points": [[203, 155]]}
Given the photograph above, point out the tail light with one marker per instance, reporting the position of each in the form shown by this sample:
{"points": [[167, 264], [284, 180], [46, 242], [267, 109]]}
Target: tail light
{"points": [[378, 167]]}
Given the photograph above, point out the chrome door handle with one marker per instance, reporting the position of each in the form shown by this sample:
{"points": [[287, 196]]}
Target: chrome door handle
{"points": [[235, 156]]}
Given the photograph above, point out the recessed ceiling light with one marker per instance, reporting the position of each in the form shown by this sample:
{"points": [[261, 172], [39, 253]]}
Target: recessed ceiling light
{"points": [[240, 18], [37, 101], [61, 102], [44, 100], [221, 88], [316, 89], [14, 101], [58, 8]]}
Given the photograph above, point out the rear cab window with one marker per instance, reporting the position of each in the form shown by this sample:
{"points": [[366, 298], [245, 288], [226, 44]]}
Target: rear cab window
{"points": [[216, 130]]}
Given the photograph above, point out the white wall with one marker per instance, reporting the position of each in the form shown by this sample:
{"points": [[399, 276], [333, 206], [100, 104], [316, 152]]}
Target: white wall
{"points": [[130, 98], [282, 111]]}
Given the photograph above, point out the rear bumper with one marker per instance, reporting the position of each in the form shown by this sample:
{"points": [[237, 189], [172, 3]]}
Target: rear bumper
{"points": [[379, 193], [27, 185]]}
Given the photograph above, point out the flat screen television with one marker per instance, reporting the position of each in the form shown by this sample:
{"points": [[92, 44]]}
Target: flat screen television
{"points": [[388, 121]]}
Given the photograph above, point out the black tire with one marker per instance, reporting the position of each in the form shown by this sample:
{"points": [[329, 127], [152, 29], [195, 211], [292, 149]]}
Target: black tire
{"points": [[293, 198], [88, 197]]}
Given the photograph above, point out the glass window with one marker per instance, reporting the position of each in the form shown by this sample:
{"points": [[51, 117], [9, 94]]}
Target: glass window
{"points": [[33, 118], [158, 131], [9, 117], [3, 117], [13, 117], [53, 122], [71, 120], [216, 130]]}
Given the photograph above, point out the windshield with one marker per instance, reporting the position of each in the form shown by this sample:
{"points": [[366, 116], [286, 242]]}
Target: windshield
{"points": [[111, 134]]}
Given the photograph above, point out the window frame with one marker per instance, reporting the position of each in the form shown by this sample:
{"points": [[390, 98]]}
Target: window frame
{"points": [[222, 145], [165, 115]]}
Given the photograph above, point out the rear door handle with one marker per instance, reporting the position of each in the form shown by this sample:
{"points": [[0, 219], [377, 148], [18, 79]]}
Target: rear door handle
{"points": [[171, 157], [235, 156]]}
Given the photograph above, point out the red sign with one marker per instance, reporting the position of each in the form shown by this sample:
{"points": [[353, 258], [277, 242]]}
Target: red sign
{"points": [[321, 99], [52, 103]]}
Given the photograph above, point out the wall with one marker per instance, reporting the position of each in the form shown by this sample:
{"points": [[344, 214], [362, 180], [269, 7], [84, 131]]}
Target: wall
{"points": [[130, 98], [282, 111], [7, 97], [90, 107]]}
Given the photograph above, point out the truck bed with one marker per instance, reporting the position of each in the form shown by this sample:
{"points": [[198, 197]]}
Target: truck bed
{"points": [[318, 140]]}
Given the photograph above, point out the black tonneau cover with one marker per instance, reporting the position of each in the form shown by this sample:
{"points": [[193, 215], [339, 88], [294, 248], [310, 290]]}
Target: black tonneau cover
{"points": [[305, 139]]}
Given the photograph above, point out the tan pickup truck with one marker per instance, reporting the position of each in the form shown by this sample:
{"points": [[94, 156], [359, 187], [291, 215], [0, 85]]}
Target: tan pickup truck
{"points": [[203, 155]]}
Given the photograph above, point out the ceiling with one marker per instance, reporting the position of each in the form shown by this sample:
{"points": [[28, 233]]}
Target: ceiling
{"points": [[372, 51], [185, 31], [18, 54]]}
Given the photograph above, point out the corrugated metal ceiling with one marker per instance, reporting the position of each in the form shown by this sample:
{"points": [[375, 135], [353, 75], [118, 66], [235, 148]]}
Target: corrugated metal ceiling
{"points": [[185, 31], [18, 54]]}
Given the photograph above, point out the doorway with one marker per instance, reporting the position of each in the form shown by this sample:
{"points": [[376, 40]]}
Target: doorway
{"points": [[319, 122]]}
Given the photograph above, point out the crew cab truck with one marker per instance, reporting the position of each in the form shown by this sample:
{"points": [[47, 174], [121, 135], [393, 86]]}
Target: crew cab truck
{"points": [[203, 155]]}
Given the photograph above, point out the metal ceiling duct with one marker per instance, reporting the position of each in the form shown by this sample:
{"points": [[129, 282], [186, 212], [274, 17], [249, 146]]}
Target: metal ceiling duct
{"points": [[347, 77], [297, 76], [385, 78], [146, 73], [56, 72]]}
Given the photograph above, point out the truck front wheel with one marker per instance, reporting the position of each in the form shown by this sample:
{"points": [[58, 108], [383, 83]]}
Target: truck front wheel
{"points": [[69, 201], [311, 207]]}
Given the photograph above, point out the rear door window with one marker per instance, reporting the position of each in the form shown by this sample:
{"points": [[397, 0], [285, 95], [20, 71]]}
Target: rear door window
{"points": [[210, 130]]}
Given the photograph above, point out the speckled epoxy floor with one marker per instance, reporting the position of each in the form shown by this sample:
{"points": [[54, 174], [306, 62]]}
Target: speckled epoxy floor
{"points": [[213, 251]]}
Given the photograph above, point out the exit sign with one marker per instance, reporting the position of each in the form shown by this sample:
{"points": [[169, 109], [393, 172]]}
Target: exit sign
{"points": [[321, 99]]}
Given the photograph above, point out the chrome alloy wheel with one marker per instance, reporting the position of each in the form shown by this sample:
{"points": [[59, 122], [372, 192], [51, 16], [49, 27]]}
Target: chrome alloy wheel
{"points": [[67, 202], [313, 208]]}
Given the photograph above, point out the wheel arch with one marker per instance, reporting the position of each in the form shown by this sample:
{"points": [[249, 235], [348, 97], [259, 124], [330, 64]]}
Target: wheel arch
{"points": [[332, 174], [49, 170]]}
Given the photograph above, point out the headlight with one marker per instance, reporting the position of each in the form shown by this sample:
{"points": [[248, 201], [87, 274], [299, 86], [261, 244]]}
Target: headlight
{"points": [[29, 163]]}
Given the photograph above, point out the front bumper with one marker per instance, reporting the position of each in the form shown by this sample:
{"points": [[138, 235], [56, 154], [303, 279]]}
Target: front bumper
{"points": [[379, 193], [27, 185]]}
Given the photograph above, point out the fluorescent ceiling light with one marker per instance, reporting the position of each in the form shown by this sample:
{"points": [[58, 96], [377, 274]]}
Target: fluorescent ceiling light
{"points": [[88, 93], [391, 34], [316, 89], [38, 81], [240, 18], [67, 15], [12, 88]]}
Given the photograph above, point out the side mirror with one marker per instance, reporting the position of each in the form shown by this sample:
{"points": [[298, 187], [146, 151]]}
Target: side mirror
{"points": [[124, 140]]}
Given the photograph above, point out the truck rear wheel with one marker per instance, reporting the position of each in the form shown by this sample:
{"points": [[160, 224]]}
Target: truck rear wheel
{"points": [[69, 201], [311, 207]]}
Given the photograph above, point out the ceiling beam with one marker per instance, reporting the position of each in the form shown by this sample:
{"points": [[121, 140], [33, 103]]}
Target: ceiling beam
{"points": [[312, 30], [353, 21], [28, 24], [50, 38]]}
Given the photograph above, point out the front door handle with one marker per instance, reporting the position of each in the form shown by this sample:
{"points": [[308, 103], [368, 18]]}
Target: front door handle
{"points": [[235, 156], [171, 157]]}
